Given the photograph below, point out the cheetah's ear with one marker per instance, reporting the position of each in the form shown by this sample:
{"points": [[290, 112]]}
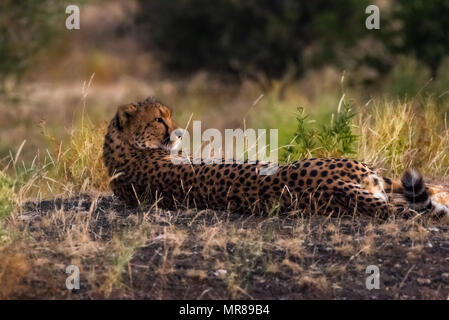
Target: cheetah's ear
{"points": [[124, 114]]}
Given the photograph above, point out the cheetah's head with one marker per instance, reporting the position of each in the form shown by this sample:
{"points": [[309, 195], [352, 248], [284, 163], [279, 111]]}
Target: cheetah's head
{"points": [[146, 125]]}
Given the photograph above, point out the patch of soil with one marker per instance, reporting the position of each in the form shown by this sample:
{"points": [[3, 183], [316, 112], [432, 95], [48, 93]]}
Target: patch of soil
{"points": [[222, 255]]}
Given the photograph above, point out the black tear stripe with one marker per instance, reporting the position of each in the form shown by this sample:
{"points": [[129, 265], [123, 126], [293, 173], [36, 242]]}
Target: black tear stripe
{"points": [[117, 122], [166, 127]]}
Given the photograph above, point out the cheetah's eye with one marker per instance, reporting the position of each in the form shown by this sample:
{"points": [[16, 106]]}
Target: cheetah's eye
{"points": [[159, 120]]}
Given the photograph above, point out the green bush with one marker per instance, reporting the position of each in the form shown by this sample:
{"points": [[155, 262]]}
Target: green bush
{"points": [[324, 140]]}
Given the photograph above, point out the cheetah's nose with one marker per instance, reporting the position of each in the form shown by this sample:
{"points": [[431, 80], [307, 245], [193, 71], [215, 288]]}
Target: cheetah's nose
{"points": [[178, 133]]}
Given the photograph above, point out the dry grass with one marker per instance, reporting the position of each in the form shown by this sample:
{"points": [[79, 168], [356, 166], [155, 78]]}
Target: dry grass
{"points": [[157, 254], [79, 163], [154, 253], [400, 135]]}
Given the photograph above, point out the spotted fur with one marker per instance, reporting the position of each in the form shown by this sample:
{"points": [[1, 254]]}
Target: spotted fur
{"points": [[136, 153]]}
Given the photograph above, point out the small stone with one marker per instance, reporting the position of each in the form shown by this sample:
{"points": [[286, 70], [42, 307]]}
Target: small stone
{"points": [[221, 273], [336, 287], [423, 281]]}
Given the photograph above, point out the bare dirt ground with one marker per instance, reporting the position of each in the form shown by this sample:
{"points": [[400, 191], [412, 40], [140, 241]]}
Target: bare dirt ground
{"points": [[188, 254]]}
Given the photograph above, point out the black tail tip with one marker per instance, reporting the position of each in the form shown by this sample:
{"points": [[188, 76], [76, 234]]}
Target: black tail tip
{"points": [[412, 180], [415, 191]]}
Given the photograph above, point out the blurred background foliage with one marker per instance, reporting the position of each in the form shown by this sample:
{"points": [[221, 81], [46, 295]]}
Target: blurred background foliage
{"points": [[26, 27], [423, 31], [228, 62], [266, 40], [257, 39], [260, 39]]}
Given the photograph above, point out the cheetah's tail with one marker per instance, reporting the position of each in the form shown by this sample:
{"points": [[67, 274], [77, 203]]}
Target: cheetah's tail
{"points": [[419, 195]]}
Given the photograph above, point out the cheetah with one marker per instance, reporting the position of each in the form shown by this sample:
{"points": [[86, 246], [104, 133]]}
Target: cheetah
{"points": [[136, 153]]}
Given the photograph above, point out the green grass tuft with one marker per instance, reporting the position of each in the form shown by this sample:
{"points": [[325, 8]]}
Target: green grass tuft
{"points": [[333, 139], [7, 196]]}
